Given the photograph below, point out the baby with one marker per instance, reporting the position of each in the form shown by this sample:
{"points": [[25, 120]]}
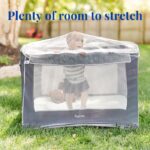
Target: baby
{"points": [[75, 83]]}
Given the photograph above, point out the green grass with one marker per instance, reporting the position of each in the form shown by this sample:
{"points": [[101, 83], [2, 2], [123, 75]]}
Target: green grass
{"points": [[13, 136], [5, 60], [23, 40]]}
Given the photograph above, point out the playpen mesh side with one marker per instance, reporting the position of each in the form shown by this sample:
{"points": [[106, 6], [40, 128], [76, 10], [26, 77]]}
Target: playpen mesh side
{"points": [[107, 87]]}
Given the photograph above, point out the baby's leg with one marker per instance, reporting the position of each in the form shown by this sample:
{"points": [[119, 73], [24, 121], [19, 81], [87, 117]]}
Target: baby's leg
{"points": [[84, 96], [69, 99]]}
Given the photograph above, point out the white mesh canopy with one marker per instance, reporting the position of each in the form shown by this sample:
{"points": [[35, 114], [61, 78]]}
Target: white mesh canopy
{"points": [[74, 45]]}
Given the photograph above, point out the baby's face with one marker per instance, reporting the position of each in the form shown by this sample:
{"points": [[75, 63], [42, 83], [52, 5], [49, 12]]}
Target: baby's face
{"points": [[75, 42]]}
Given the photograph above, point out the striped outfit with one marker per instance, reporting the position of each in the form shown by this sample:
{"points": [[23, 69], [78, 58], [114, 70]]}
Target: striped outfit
{"points": [[75, 81]]}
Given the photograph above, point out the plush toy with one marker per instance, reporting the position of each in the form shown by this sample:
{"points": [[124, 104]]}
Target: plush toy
{"points": [[57, 96]]}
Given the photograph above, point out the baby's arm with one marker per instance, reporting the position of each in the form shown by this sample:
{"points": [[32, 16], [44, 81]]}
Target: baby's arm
{"points": [[83, 53]]}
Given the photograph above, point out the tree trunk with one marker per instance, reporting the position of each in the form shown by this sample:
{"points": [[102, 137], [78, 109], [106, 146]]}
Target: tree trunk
{"points": [[9, 30], [46, 24]]}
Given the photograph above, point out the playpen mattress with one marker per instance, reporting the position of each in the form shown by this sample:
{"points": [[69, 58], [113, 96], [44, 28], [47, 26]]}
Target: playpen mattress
{"points": [[93, 102]]}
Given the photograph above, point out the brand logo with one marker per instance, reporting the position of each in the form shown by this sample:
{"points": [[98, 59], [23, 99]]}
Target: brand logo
{"points": [[79, 116]]}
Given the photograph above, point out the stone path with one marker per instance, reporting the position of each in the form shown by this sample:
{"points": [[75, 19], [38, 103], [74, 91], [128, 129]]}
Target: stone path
{"points": [[9, 71]]}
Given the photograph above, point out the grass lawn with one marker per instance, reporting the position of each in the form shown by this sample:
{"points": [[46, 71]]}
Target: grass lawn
{"points": [[5, 60], [10, 59], [23, 40], [13, 136]]}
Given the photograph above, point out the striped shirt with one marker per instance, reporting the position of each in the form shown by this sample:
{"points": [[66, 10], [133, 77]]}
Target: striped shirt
{"points": [[74, 73]]}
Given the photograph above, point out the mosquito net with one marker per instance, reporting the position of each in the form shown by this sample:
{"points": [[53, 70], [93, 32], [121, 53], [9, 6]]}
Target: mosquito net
{"points": [[69, 48], [79, 71]]}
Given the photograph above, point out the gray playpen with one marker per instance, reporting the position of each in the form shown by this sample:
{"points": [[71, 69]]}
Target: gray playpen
{"points": [[78, 79]]}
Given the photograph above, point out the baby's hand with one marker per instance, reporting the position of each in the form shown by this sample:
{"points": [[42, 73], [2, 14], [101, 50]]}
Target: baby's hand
{"points": [[82, 53]]}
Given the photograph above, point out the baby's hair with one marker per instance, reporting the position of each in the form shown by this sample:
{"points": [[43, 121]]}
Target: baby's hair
{"points": [[72, 35], [69, 37]]}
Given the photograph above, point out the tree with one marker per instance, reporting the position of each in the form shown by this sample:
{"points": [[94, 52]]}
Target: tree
{"points": [[110, 5], [48, 7], [9, 30], [43, 7]]}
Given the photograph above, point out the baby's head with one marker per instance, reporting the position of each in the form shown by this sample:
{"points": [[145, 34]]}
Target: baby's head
{"points": [[74, 40]]}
